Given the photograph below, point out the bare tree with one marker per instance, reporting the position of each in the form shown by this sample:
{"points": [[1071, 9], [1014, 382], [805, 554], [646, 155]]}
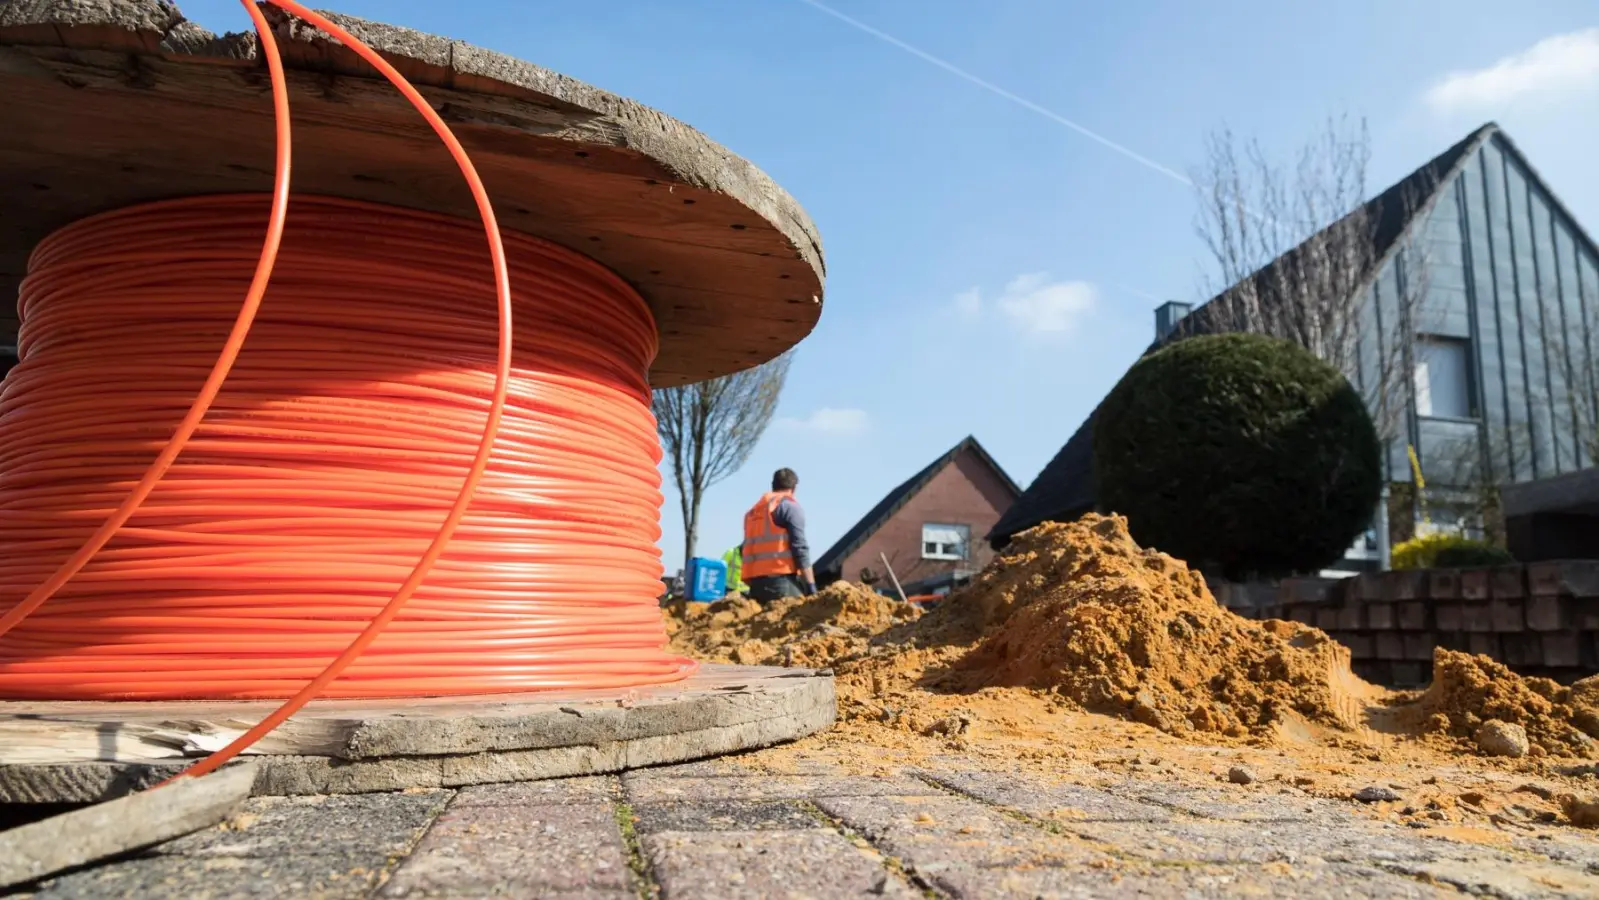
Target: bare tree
{"points": [[1296, 252], [709, 429]]}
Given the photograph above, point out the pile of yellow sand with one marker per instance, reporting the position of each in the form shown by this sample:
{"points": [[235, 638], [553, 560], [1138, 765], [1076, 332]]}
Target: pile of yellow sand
{"points": [[1467, 691], [1078, 615], [812, 631], [1080, 612]]}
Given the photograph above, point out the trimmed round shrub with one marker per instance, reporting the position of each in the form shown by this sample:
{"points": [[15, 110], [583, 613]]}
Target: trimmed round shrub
{"points": [[1447, 551], [1243, 455]]}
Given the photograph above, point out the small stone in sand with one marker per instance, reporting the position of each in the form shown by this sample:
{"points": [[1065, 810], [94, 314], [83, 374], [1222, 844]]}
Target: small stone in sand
{"points": [[1582, 811], [1497, 738], [1240, 775], [1376, 794]]}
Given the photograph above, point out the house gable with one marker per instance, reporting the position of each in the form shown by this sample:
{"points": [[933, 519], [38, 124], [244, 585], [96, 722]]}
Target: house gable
{"points": [[1065, 488], [938, 487]]}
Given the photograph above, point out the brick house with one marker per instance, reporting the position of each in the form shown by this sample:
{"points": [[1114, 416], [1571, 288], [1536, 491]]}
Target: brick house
{"points": [[927, 525]]}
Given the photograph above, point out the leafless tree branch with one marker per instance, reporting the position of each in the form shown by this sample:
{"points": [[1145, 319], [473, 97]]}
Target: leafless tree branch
{"points": [[1295, 253], [708, 431]]}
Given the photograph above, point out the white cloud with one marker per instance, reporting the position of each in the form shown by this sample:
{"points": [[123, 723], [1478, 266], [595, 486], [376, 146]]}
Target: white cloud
{"points": [[1035, 305], [1564, 63], [829, 421]]}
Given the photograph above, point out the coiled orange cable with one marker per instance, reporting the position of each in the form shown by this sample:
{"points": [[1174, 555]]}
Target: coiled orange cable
{"points": [[322, 469]]}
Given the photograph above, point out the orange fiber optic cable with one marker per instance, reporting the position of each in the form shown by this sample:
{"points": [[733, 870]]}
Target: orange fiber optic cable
{"points": [[329, 466]]}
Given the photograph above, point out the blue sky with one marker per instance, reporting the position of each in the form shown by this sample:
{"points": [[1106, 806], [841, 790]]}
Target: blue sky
{"points": [[928, 187]]}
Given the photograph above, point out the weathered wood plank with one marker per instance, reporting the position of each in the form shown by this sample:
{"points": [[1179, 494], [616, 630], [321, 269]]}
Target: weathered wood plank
{"points": [[714, 697], [31, 852], [394, 745]]}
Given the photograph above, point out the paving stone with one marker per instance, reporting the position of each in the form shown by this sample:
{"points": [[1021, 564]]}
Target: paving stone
{"points": [[1508, 880], [703, 768], [647, 787], [329, 876], [555, 791], [1049, 801], [1572, 847], [478, 851], [375, 826], [723, 815], [1261, 804], [1188, 882], [1266, 842], [933, 834], [818, 863]]}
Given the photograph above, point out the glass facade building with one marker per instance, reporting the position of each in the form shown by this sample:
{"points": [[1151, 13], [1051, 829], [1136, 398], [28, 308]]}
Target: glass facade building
{"points": [[1501, 286]]}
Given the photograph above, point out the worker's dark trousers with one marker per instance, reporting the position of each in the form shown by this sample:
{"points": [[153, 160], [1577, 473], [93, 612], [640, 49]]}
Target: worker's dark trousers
{"points": [[775, 587]]}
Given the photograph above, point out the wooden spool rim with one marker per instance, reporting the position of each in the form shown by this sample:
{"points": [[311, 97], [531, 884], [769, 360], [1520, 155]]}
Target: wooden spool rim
{"points": [[79, 752], [121, 102]]}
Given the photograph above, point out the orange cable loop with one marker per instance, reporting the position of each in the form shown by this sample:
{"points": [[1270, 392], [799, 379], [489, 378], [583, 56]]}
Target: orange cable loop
{"points": [[327, 456]]}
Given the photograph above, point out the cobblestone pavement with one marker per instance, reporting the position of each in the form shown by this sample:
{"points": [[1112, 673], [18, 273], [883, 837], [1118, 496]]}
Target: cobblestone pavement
{"points": [[718, 829]]}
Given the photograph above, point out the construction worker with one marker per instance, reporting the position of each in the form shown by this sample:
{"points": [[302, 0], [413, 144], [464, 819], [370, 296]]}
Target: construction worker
{"points": [[776, 560]]}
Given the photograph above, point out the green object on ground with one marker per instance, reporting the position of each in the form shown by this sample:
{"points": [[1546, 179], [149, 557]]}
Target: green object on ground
{"points": [[1448, 551], [1240, 453], [735, 564]]}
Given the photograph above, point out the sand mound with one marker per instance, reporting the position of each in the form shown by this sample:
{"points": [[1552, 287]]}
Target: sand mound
{"points": [[1079, 616], [810, 631], [1082, 611], [1468, 690]]}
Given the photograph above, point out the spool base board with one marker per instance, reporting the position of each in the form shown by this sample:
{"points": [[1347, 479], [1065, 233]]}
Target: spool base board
{"points": [[80, 752]]}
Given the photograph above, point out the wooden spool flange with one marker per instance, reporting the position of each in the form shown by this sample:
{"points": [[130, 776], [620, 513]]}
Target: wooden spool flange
{"points": [[84, 752], [111, 103], [117, 102]]}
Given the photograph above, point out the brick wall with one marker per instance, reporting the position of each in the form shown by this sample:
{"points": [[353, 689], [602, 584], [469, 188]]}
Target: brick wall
{"points": [[1538, 618]]}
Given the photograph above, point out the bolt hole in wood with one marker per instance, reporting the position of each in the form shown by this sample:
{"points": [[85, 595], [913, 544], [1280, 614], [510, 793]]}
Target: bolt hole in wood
{"points": [[40, 187], [737, 227], [688, 202], [782, 278], [581, 154]]}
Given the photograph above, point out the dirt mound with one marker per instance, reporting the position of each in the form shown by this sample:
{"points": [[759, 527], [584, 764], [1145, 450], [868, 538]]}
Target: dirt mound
{"points": [[1078, 616], [1082, 611], [815, 631], [1467, 691]]}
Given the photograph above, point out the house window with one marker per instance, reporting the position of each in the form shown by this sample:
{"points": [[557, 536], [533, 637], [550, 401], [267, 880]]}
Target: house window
{"points": [[945, 541], [1443, 378]]}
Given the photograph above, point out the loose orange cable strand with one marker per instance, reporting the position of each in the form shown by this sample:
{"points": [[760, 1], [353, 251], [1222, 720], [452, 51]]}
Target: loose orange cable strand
{"points": [[214, 573]]}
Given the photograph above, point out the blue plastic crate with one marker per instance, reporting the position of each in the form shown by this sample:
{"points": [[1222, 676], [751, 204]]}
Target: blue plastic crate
{"points": [[707, 579]]}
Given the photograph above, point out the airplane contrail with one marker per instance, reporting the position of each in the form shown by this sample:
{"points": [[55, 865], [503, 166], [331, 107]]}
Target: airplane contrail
{"points": [[989, 86]]}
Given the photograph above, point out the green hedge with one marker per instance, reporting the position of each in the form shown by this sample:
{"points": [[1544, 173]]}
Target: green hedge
{"points": [[1242, 454], [1447, 551]]}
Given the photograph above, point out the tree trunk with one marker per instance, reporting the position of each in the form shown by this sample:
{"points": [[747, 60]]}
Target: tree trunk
{"points": [[691, 530]]}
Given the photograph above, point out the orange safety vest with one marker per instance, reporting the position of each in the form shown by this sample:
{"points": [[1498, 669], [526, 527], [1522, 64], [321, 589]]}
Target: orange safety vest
{"points": [[766, 551]]}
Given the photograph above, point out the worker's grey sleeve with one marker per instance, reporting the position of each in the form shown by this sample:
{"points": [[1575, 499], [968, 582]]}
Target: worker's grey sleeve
{"points": [[791, 518]]}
